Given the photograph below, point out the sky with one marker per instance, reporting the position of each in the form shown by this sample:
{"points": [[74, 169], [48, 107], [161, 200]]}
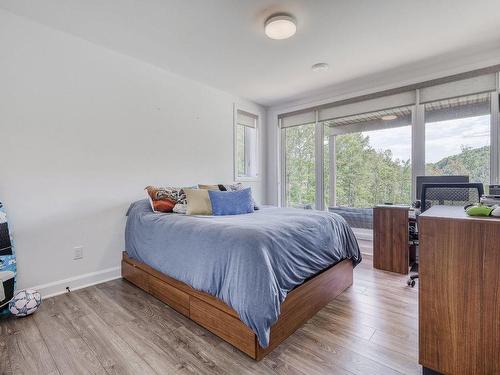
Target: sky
{"points": [[443, 138]]}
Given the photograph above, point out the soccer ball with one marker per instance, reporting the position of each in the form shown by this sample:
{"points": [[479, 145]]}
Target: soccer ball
{"points": [[25, 302]]}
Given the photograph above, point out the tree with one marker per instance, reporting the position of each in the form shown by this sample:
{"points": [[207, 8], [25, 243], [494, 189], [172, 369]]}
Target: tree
{"points": [[300, 165], [472, 162], [365, 176]]}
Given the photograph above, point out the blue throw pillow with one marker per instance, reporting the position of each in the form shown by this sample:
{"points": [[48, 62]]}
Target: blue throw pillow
{"points": [[231, 202]]}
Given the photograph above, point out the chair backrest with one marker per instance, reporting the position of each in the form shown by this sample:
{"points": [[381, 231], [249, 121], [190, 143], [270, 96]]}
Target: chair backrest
{"points": [[450, 194]]}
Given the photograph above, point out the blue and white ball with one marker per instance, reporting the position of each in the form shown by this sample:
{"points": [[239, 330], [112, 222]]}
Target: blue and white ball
{"points": [[25, 302]]}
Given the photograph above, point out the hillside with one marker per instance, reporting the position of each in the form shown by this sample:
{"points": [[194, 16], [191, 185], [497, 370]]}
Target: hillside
{"points": [[474, 162]]}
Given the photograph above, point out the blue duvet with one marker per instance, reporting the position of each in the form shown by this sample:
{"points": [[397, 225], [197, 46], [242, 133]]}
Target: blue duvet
{"points": [[249, 261]]}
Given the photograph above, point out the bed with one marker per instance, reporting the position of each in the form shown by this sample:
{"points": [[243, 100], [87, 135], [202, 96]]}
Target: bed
{"points": [[251, 279]]}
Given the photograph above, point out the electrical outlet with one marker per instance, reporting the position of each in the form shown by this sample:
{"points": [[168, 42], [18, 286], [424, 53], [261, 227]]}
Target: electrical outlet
{"points": [[77, 252]]}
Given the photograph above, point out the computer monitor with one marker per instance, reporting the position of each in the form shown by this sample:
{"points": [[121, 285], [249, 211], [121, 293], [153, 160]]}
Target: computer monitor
{"points": [[438, 180]]}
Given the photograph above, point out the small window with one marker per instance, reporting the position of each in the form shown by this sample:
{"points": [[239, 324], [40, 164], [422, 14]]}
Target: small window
{"points": [[245, 148]]}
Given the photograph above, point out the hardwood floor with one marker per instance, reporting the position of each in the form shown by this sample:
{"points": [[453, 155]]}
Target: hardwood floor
{"points": [[115, 328]]}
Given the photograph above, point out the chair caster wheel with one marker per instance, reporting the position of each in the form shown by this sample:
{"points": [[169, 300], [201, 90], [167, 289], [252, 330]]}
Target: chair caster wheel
{"points": [[411, 282]]}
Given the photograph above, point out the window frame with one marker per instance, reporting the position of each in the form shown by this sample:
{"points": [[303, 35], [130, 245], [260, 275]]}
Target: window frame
{"points": [[493, 145], [371, 125], [256, 147], [462, 87]]}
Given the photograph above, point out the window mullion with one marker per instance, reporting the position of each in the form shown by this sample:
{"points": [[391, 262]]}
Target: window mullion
{"points": [[282, 201], [318, 162], [333, 171], [418, 144], [495, 138]]}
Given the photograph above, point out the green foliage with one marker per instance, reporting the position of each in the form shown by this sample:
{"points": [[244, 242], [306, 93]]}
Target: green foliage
{"points": [[364, 176], [300, 169], [474, 162]]}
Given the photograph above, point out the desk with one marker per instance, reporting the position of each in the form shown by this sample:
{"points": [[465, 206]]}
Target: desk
{"points": [[392, 250], [459, 292]]}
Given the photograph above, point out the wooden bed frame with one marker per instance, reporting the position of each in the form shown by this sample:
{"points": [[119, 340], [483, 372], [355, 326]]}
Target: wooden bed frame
{"points": [[211, 313]]}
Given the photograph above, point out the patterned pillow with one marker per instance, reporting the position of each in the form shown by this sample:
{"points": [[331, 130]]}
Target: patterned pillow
{"points": [[162, 205], [165, 199], [180, 208]]}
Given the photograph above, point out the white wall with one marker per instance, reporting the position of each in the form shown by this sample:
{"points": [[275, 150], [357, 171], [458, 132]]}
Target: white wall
{"points": [[82, 131]]}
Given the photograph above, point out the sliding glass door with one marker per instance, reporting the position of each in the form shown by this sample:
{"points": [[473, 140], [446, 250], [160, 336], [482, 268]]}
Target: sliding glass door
{"points": [[371, 158]]}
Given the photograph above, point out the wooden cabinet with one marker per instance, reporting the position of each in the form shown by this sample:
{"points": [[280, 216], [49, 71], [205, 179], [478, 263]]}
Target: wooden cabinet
{"points": [[390, 238], [459, 296]]}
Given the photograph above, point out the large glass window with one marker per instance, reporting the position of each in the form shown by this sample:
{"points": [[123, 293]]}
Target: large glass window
{"points": [[299, 162], [369, 150], [457, 137], [372, 158], [374, 147]]}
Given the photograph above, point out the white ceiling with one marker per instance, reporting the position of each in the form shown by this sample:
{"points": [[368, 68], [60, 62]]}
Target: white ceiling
{"points": [[222, 42]]}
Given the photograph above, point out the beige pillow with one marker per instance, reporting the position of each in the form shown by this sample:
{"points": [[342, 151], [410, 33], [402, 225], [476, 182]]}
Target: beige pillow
{"points": [[198, 202], [209, 187]]}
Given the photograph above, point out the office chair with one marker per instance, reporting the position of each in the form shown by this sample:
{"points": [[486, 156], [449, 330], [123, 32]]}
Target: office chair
{"points": [[449, 194]]}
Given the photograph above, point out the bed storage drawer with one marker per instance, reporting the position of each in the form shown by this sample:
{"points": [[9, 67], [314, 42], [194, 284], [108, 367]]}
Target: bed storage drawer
{"points": [[217, 317], [135, 276], [173, 297], [223, 325]]}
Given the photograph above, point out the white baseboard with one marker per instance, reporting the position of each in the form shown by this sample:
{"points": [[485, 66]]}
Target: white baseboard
{"points": [[78, 282], [363, 234], [364, 237]]}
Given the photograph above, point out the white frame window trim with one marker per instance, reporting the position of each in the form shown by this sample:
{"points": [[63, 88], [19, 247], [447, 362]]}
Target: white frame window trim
{"points": [[319, 160], [281, 164], [245, 112], [495, 133], [462, 87]]}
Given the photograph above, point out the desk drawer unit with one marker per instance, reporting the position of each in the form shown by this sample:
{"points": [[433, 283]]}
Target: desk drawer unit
{"points": [[459, 296]]}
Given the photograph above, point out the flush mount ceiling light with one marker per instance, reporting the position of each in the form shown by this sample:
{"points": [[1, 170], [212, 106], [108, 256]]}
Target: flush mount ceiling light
{"points": [[320, 67], [280, 26], [389, 117]]}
